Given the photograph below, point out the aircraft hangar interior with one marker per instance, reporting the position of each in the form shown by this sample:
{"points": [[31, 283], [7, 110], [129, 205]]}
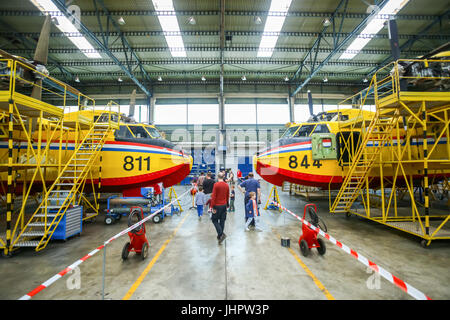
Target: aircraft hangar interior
{"points": [[225, 150]]}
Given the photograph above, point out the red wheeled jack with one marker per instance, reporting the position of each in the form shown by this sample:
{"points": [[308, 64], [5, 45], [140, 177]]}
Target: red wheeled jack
{"points": [[138, 241], [309, 239]]}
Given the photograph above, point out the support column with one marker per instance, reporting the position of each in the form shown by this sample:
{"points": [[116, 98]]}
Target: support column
{"points": [[151, 109], [221, 142], [425, 170], [291, 101], [9, 195]]}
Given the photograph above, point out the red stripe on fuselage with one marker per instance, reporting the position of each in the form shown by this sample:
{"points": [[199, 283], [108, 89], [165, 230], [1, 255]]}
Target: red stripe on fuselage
{"points": [[277, 176]]}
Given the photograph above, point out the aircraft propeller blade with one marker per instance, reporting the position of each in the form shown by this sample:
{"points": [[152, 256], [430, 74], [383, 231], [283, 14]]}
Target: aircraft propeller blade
{"points": [[41, 55], [310, 103], [132, 104]]}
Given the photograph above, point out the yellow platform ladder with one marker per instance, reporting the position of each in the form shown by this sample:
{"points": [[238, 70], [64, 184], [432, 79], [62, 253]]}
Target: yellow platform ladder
{"points": [[372, 143], [66, 191]]}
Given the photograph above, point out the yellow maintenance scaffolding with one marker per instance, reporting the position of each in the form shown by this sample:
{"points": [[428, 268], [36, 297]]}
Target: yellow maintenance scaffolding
{"points": [[46, 156], [401, 153]]}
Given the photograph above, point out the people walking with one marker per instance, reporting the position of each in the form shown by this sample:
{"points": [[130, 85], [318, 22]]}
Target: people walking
{"points": [[239, 175], [219, 202], [232, 197], [200, 179], [252, 213], [200, 201], [208, 185], [250, 185], [230, 177]]}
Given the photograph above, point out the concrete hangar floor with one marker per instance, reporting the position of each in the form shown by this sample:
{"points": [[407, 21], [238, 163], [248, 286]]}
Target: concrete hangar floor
{"points": [[186, 262]]}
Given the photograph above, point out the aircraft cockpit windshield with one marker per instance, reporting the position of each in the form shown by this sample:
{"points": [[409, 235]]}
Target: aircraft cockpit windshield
{"points": [[305, 130], [328, 117], [289, 133], [153, 132], [324, 116], [137, 131]]}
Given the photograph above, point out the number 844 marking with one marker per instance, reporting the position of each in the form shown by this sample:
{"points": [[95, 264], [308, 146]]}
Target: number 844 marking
{"points": [[294, 164]]}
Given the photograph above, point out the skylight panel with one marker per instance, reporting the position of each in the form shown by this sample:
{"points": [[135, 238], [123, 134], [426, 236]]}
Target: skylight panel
{"points": [[275, 20], [373, 27], [170, 27], [64, 25]]}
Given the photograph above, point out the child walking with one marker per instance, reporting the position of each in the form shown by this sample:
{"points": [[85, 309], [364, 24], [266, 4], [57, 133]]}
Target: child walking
{"points": [[232, 195], [252, 212], [200, 201]]}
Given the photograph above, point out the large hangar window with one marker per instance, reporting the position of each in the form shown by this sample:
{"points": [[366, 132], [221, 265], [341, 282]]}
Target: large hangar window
{"points": [[272, 113], [170, 114], [240, 113], [203, 114]]}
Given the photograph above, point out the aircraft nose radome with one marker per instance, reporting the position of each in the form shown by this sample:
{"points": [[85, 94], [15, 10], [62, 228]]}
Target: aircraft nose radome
{"points": [[270, 172], [255, 164], [191, 162]]}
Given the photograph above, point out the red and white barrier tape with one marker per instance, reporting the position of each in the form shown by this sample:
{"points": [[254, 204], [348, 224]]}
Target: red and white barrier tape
{"points": [[384, 273], [59, 275]]}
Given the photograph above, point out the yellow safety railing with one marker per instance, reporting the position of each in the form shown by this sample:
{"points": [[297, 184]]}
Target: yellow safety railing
{"points": [[23, 77], [31, 94], [412, 104]]}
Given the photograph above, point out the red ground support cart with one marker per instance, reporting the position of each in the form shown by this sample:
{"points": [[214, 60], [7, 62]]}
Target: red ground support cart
{"points": [[308, 239], [138, 241]]}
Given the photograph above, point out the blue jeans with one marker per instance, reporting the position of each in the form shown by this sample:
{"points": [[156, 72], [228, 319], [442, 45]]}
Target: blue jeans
{"points": [[200, 210]]}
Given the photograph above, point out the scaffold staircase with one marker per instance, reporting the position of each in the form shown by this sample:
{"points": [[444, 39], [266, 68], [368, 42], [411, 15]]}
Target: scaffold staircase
{"points": [[66, 191], [372, 142]]}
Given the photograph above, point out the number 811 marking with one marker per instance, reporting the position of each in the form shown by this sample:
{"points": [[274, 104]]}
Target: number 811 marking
{"points": [[129, 163], [294, 164]]}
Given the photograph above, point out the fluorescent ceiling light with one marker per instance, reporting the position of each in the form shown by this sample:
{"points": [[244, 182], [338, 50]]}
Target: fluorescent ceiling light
{"points": [[170, 27], [391, 8], [64, 24], [273, 25]]}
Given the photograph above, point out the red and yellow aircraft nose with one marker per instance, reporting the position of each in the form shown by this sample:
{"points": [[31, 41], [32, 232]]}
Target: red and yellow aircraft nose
{"points": [[181, 168], [134, 165], [293, 162]]}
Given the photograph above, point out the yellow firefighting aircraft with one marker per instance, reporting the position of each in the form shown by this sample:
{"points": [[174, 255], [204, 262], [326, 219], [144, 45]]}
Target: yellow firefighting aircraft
{"points": [[317, 152], [134, 155]]}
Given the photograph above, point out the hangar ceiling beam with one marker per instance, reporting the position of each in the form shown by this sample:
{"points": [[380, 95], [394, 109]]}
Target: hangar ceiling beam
{"points": [[299, 34], [338, 42], [231, 49], [281, 74], [131, 57], [215, 82], [182, 61], [300, 14]]}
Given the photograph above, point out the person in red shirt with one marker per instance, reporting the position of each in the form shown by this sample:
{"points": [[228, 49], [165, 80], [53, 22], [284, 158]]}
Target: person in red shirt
{"points": [[239, 175], [219, 204]]}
